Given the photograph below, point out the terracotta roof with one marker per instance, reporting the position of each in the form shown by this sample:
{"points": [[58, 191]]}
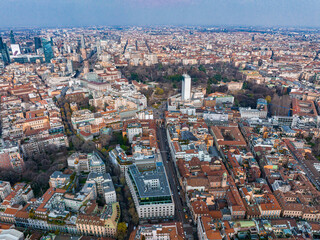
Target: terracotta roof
{"points": [[47, 196]]}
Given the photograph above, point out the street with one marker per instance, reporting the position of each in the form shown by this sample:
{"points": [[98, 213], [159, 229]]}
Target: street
{"points": [[180, 205]]}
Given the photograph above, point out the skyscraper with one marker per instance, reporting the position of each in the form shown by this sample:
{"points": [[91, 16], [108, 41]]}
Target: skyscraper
{"points": [[83, 44], [186, 87], [16, 50], [37, 43], [12, 40], [70, 66], [47, 49], [1, 43], [99, 47], [4, 52]]}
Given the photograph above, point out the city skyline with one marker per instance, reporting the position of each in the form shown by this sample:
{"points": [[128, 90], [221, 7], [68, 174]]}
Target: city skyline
{"points": [[71, 13], [159, 119], [174, 133]]}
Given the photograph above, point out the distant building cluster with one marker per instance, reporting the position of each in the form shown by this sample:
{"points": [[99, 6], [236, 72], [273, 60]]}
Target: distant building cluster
{"points": [[199, 161]]}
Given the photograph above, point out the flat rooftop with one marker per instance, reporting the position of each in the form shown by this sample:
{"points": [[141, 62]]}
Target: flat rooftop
{"points": [[150, 184]]}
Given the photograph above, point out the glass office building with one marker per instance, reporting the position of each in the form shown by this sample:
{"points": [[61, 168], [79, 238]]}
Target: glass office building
{"points": [[47, 50], [12, 40], [37, 43], [4, 52]]}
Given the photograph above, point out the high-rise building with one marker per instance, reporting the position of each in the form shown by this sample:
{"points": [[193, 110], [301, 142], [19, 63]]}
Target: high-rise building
{"points": [[83, 54], [1, 44], [4, 52], [70, 66], [37, 43], [15, 48], [83, 43], [186, 87], [47, 50], [98, 47], [12, 40]]}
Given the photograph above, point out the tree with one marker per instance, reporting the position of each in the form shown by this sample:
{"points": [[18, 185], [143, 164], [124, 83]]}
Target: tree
{"points": [[77, 142], [135, 217], [160, 66], [88, 147], [40, 183], [66, 106], [245, 85], [316, 147], [50, 149], [105, 139], [122, 230], [135, 76], [159, 91], [132, 210], [122, 180], [209, 89], [9, 175], [127, 193], [280, 105], [217, 77], [68, 132], [202, 69], [268, 99], [104, 152]]}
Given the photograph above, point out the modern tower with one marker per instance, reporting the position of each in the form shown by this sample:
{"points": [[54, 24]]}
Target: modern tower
{"points": [[1, 44], [98, 47], [37, 43], [4, 52], [12, 40], [16, 50], [83, 43], [186, 88], [47, 49], [70, 66]]}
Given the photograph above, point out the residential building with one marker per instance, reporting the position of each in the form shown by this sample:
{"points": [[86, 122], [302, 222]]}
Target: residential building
{"points": [[5, 189], [101, 225], [164, 231], [104, 185]]}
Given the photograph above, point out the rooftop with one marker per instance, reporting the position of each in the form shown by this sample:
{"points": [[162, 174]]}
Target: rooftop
{"points": [[150, 184]]}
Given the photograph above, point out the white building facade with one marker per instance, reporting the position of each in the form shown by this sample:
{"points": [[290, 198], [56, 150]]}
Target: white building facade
{"points": [[186, 88]]}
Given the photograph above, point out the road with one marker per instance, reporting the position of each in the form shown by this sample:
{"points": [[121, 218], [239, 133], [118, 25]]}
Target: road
{"points": [[180, 204], [170, 172], [92, 58]]}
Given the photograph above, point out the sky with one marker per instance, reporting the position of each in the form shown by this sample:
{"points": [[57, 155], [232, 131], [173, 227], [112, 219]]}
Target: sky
{"points": [[68, 13]]}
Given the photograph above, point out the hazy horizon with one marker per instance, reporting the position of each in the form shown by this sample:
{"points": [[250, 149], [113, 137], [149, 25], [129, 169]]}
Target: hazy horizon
{"points": [[76, 13]]}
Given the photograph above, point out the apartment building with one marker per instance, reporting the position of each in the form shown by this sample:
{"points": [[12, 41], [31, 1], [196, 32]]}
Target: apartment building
{"points": [[102, 225], [5, 189], [59, 179], [105, 186], [163, 231], [86, 162]]}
